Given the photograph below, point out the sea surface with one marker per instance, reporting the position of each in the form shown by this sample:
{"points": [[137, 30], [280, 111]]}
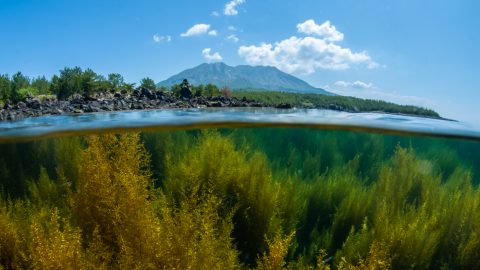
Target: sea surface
{"points": [[241, 117], [237, 188]]}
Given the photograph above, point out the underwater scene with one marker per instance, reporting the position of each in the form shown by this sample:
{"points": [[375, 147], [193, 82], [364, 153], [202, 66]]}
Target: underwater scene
{"points": [[240, 198]]}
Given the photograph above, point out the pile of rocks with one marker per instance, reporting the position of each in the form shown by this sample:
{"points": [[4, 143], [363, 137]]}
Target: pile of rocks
{"points": [[140, 99]]}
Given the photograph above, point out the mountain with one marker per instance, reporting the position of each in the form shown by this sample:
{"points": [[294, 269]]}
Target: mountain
{"points": [[243, 77]]}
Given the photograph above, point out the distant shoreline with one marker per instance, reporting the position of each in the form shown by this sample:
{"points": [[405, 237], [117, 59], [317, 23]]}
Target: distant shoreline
{"points": [[145, 99]]}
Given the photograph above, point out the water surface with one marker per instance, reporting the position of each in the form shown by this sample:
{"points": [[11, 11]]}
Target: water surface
{"points": [[210, 117]]}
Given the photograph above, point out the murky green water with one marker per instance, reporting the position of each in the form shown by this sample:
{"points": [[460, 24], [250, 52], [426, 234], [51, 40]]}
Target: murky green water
{"points": [[227, 195]]}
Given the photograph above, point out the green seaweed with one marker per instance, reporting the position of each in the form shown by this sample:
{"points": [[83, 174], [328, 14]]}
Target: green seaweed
{"points": [[266, 198]]}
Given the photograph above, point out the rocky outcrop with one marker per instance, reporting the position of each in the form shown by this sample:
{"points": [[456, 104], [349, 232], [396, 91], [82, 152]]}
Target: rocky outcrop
{"points": [[140, 99]]}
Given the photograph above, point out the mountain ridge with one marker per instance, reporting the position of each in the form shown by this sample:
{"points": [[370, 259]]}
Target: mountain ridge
{"points": [[244, 77]]}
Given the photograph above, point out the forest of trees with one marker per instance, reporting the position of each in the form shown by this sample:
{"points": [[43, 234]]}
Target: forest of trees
{"points": [[84, 82], [69, 81], [352, 104]]}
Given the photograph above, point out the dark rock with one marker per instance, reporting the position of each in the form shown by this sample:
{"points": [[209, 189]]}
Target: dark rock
{"points": [[144, 92], [137, 106], [201, 101], [21, 105], [214, 104], [8, 105], [56, 111], [284, 106], [77, 99], [107, 107], [34, 103], [11, 117], [335, 107], [90, 98], [186, 89], [140, 99], [160, 95]]}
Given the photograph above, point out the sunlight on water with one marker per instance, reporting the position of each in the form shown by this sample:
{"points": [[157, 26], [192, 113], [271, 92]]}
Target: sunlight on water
{"points": [[192, 118]]}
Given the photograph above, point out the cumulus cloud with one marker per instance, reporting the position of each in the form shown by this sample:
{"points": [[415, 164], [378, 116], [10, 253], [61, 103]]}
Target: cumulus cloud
{"points": [[212, 33], [157, 38], [209, 56], [307, 54], [233, 38], [370, 91], [303, 55], [197, 29], [355, 84], [231, 7], [325, 30]]}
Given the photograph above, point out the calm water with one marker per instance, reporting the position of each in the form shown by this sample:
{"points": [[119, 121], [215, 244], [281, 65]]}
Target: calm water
{"points": [[231, 188], [191, 118]]}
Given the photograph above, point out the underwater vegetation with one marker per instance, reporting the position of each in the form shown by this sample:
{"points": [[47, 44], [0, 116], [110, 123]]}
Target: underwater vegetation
{"points": [[267, 198]]}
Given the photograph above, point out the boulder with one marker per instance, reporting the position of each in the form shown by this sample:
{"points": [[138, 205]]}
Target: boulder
{"points": [[214, 104], [33, 103], [8, 105], [144, 92], [21, 105]]}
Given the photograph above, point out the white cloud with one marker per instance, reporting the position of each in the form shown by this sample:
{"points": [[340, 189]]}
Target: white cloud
{"points": [[215, 14], [307, 54], [325, 30], [373, 65], [209, 56], [355, 84], [197, 29], [231, 7], [370, 91], [303, 55], [212, 33], [233, 38], [157, 38], [232, 28]]}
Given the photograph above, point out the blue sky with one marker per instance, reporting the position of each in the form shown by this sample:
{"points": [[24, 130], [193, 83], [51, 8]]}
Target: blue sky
{"points": [[418, 52]]}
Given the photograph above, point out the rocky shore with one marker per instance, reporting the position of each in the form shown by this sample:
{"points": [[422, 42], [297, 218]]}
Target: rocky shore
{"points": [[137, 100]]}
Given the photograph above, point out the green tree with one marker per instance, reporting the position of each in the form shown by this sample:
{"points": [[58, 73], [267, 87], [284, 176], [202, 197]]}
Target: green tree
{"points": [[198, 90], [42, 85], [102, 84], [5, 87], [163, 89], [116, 81], [68, 83], [175, 89], [211, 90], [148, 83], [129, 87], [19, 81], [89, 82]]}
